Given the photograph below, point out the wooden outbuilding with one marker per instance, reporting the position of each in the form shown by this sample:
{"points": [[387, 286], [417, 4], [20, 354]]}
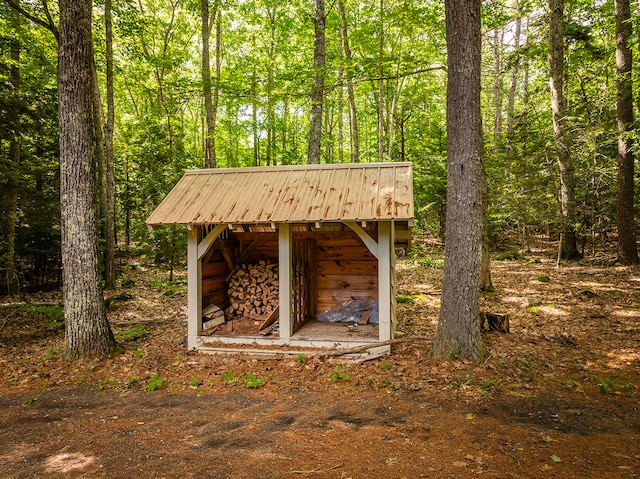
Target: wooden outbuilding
{"points": [[311, 246]]}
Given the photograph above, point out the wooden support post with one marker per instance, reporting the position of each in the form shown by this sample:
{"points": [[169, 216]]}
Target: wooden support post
{"points": [[386, 281], [194, 286], [285, 266]]}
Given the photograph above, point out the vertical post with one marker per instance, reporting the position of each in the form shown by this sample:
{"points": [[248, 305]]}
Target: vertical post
{"points": [[194, 287], [285, 261], [386, 280]]}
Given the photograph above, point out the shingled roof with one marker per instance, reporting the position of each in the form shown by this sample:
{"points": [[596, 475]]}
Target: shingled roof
{"points": [[289, 194]]}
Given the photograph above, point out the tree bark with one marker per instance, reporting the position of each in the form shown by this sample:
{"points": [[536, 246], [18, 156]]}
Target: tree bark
{"points": [[458, 324], [381, 86], [87, 331], [627, 247], [109, 197], [497, 87], [568, 246], [317, 89], [210, 149], [12, 280], [513, 86], [353, 112]]}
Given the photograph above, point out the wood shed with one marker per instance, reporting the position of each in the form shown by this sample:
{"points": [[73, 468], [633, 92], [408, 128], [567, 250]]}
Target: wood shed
{"points": [[288, 258]]}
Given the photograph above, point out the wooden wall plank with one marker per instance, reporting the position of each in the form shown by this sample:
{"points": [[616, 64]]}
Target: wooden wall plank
{"points": [[347, 281]]}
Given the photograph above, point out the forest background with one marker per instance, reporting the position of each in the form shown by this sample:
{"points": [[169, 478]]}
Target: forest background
{"points": [[383, 100]]}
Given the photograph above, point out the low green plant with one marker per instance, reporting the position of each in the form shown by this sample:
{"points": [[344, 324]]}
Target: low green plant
{"points": [[138, 353], [135, 332], [384, 365], [510, 255], [606, 384], [227, 377], [491, 385], [52, 353], [388, 384], [543, 278], [338, 374], [153, 384], [533, 309], [555, 458], [29, 401], [408, 298], [628, 389], [300, 357], [194, 382], [252, 381], [431, 261]]}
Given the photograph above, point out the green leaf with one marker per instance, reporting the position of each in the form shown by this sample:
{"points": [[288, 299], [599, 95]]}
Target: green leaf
{"points": [[555, 458]]}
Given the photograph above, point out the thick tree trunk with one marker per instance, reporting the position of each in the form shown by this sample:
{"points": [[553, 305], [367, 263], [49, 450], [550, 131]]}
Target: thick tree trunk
{"points": [[458, 325], [317, 89], [87, 331], [12, 280], [110, 184], [568, 247], [353, 112], [627, 247]]}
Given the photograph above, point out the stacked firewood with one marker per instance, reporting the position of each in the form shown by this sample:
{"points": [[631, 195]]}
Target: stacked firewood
{"points": [[253, 289]]}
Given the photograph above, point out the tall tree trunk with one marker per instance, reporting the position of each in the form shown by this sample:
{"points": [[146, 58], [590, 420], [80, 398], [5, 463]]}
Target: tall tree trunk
{"points": [[513, 86], [87, 331], [110, 184], [317, 89], [627, 248], [458, 325], [381, 85], [340, 139], [254, 122], [353, 112], [270, 82], [497, 86], [12, 279], [206, 23], [568, 246]]}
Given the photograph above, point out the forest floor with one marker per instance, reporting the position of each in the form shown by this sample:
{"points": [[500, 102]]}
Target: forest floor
{"points": [[558, 397]]}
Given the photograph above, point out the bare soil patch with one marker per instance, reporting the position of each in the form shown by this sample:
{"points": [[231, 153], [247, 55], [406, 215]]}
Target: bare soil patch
{"points": [[557, 398]]}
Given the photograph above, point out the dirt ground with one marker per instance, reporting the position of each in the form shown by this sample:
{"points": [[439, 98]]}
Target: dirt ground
{"points": [[557, 398]]}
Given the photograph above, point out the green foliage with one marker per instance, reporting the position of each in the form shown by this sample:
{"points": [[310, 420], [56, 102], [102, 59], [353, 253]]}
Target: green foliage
{"points": [[252, 382], [134, 332], [300, 357], [29, 401], [153, 384], [227, 377], [607, 384], [408, 298], [52, 353], [543, 278], [338, 374], [510, 255]]}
